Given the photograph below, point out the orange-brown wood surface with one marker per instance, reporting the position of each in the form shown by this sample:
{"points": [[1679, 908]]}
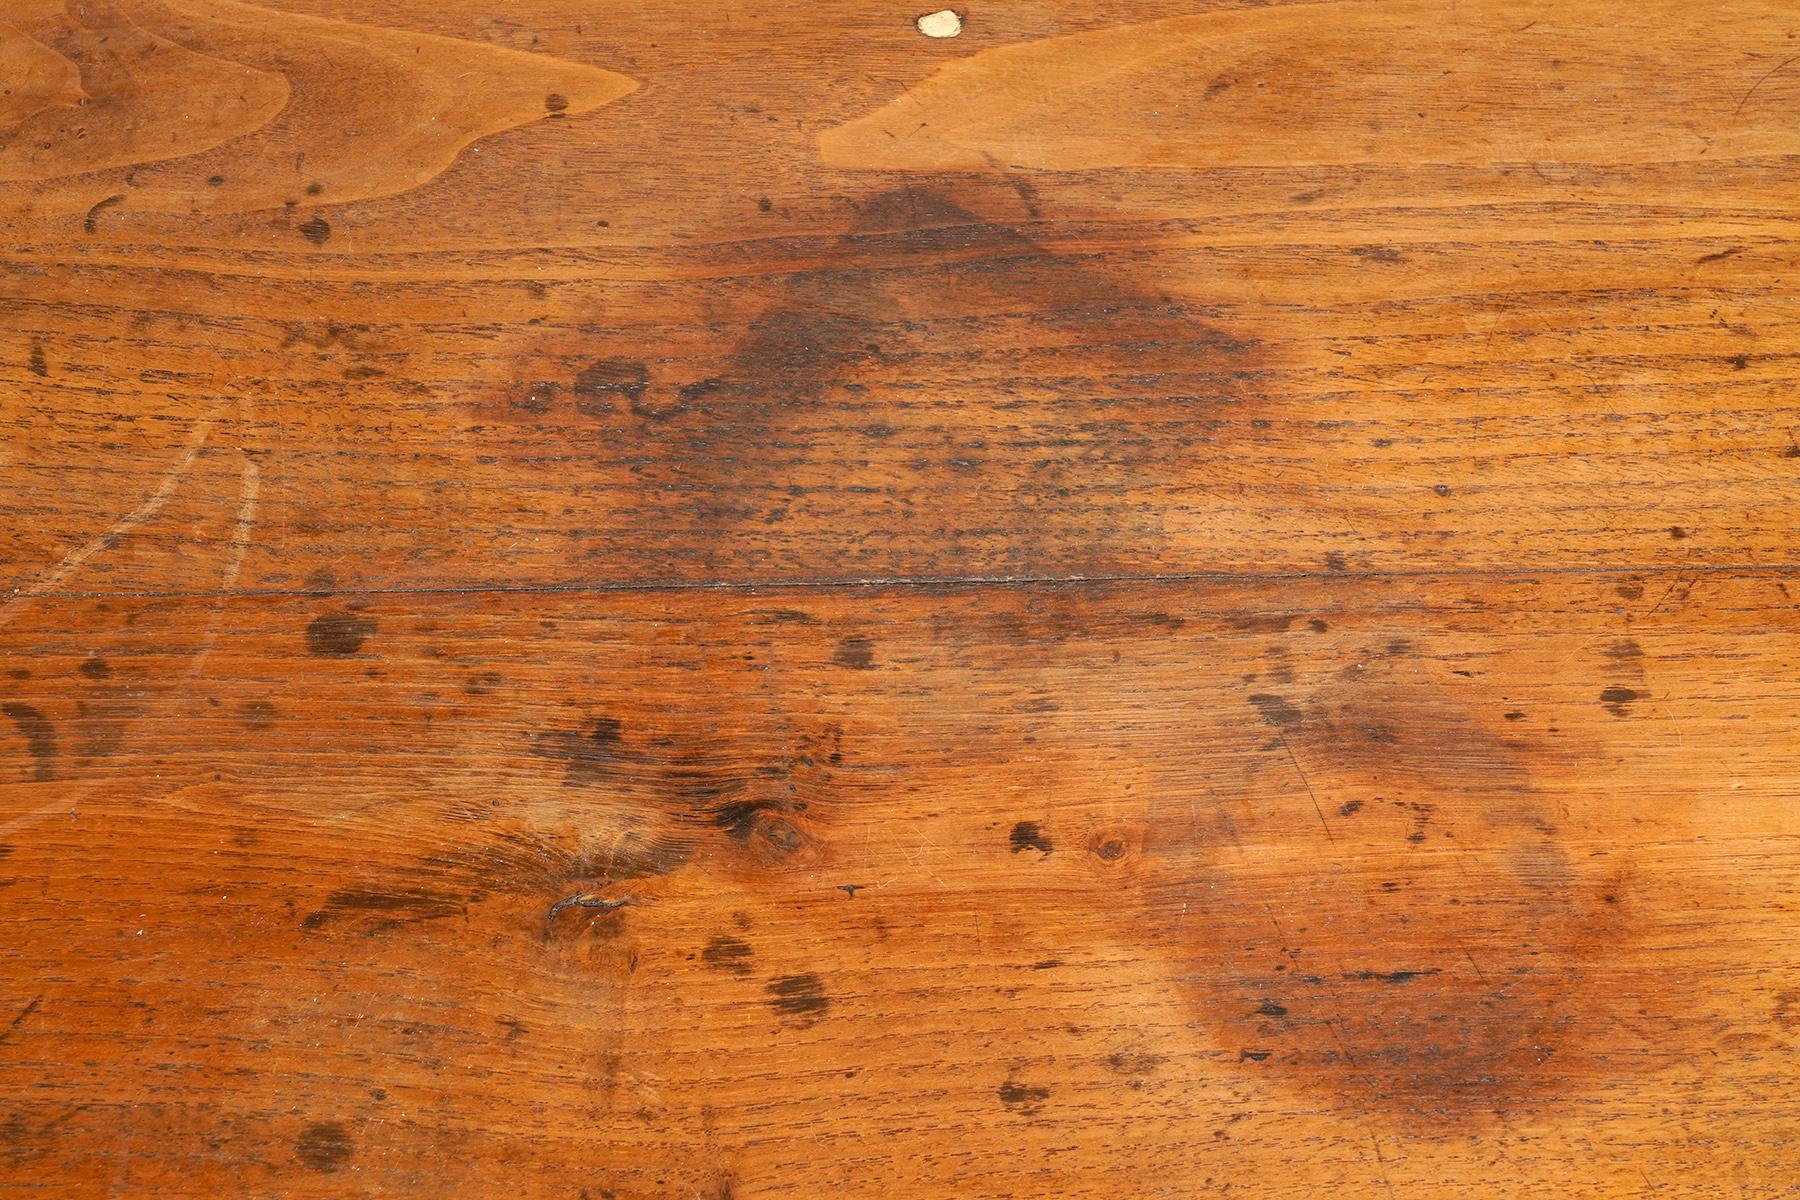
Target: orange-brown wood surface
{"points": [[717, 600]]}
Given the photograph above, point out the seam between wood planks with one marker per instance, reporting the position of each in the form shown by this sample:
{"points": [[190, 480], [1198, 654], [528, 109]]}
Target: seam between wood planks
{"points": [[928, 583]]}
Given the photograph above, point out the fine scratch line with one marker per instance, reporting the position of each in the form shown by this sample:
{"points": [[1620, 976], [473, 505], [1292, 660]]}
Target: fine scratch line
{"points": [[137, 516], [1307, 783], [1758, 84], [20, 1019], [242, 529], [249, 490]]}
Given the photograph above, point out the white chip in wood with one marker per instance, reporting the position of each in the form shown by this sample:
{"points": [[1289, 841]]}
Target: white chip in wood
{"points": [[945, 23]]}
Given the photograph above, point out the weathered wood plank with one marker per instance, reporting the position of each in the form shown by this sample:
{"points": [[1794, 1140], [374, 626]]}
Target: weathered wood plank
{"points": [[1437, 885], [600, 363], [1152, 599]]}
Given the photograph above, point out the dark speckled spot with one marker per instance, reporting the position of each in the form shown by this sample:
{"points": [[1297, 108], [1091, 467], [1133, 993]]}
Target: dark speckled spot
{"points": [[324, 1146], [95, 668], [39, 735], [856, 652], [590, 756], [317, 231], [725, 953], [1261, 622], [1027, 836], [1618, 700], [338, 634], [601, 384], [1276, 711], [798, 996], [1625, 652], [482, 684], [1135, 1064], [382, 909], [1027, 1101], [1403, 976]]}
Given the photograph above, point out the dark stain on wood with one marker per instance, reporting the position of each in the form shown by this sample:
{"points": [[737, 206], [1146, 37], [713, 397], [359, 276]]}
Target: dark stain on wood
{"points": [[1276, 710], [590, 755], [483, 683], [1016, 385], [338, 634], [769, 806], [1787, 1009], [855, 652], [381, 909], [1625, 653], [324, 1146], [726, 953], [1618, 700], [1451, 998], [1027, 836], [1109, 846], [39, 735], [800, 996], [1024, 1099], [1137, 1064]]}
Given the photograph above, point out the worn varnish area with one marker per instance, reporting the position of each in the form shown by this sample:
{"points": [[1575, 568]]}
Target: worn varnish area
{"points": [[934, 376], [1449, 958], [812, 372], [214, 105], [1293, 85], [1306, 873], [940, 386], [700, 601]]}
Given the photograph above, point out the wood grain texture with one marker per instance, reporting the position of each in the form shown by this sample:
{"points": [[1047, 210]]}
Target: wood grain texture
{"points": [[1483, 83], [1437, 879], [935, 389], [297, 109], [1150, 600]]}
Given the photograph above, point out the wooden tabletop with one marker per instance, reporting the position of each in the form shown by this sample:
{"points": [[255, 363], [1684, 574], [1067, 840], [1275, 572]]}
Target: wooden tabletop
{"points": [[1146, 598]]}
